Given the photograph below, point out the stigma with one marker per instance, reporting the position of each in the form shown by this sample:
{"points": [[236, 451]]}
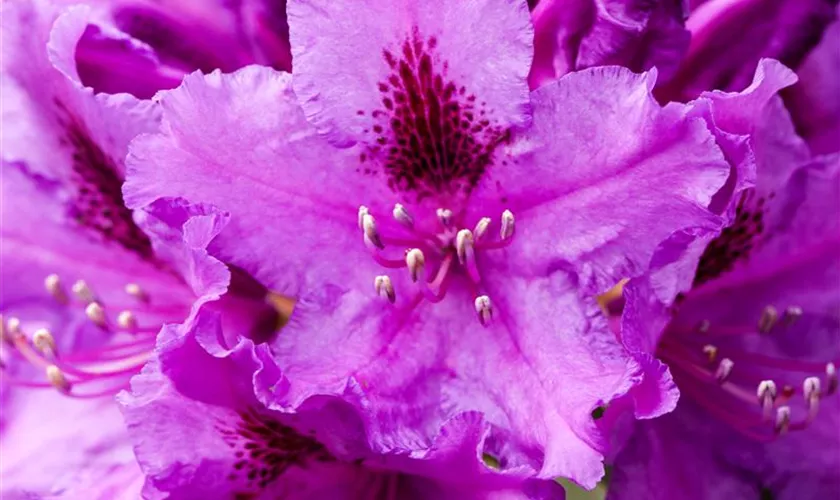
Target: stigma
{"points": [[431, 254]]}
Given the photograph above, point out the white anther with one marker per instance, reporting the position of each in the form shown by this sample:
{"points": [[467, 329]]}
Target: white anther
{"points": [[53, 285], [402, 216], [363, 210], [724, 369], [372, 237], [444, 215], [9, 329], [711, 352], [44, 341], [416, 262], [57, 379], [508, 225], [811, 391], [766, 396], [811, 387], [769, 316], [481, 227], [126, 320], [384, 288], [782, 419], [792, 314], [704, 326], [830, 375], [484, 309], [83, 292], [135, 291], [95, 313], [464, 245], [4, 330]]}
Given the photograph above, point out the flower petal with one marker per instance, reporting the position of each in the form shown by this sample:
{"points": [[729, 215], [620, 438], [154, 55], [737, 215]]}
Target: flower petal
{"points": [[351, 60], [579, 34], [58, 446], [233, 436], [669, 453], [589, 193], [730, 37], [422, 365], [815, 101], [53, 109], [112, 62], [277, 160]]}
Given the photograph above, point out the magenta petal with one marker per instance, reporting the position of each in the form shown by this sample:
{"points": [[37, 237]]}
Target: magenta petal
{"points": [[729, 37], [349, 57], [585, 191], [419, 367], [54, 447], [667, 454], [576, 34], [814, 102], [276, 161], [317, 450]]}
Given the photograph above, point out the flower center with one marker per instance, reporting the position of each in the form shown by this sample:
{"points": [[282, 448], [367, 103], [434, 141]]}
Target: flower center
{"points": [[761, 395], [89, 372], [431, 257]]}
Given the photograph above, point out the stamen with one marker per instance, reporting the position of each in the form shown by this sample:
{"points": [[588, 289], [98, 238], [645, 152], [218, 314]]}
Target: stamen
{"points": [[811, 391], [830, 375], [402, 216], [464, 245], [766, 397], [792, 314], [481, 227], [372, 237], [444, 215], [508, 225], [53, 285], [83, 292], [57, 379], [724, 369], [363, 210], [416, 262], [95, 313], [44, 341], [384, 288], [126, 320], [782, 419], [711, 352], [704, 326], [484, 308], [135, 291], [769, 316], [10, 330]]}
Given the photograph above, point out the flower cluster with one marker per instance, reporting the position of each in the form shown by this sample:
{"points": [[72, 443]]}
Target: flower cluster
{"points": [[314, 249]]}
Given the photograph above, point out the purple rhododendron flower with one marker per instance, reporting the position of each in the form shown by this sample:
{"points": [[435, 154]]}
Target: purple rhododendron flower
{"points": [[576, 34], [753, 344], [446, 258], [142, 46], [237, 448]]}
